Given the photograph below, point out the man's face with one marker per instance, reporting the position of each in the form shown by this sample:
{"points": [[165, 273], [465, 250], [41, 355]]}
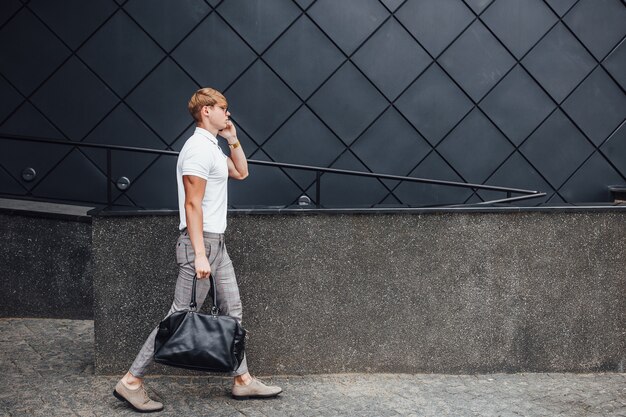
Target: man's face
{"points": [[219, 115]]}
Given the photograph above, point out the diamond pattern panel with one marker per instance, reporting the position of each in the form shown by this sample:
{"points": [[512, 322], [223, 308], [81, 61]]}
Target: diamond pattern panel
{"points": [[156, 186], [8, 8], [391, 59], [28, 121], [75, 178], [561, 6], [211, 47], [557, 148], [478, 5], [74, 20], [518, 173], [121, 53], [392, 5], [597, 106], [348, 103], [344, 190], [292, 59], [391, 145], [590, 183], [418, 194], [18, 155], [80, 110], [305, 79], [278, 189], [11, 99], [434, 104], [30, 52], [450, 17], [598, 23], [519, 24], [475, 147], [476, 61], [615, 64], [348, 22], [615, 149], [161, 100], [517, 105], [257, 88], [559, 62], [304, 140], [167, 21], [259, 21]]}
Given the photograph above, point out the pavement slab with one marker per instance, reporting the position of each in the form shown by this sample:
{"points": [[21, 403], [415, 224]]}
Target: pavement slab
{"points": [[46, 369]]}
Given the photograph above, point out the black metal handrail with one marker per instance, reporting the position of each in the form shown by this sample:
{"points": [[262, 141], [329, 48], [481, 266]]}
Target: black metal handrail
{"points": [[526, 194]]}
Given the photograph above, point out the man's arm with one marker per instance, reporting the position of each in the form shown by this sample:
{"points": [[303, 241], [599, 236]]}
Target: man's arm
{"points": [[194, 192], [237, 162]]}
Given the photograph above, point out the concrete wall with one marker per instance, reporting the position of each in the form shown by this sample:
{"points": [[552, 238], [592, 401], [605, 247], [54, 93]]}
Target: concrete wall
{"points": [[444, 293], [45, 266]]}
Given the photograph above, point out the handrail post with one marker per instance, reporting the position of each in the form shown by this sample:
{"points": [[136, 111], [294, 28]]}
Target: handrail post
{"points": [[318, 177], [109, 175]]}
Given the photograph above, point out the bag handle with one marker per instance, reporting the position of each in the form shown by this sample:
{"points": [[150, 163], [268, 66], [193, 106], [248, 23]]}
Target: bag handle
{"points": [[192, 305]]}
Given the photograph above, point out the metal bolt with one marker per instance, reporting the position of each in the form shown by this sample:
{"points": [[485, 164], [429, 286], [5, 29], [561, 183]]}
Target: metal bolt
{"points": [[304, 200], [29, 174], [122, 183]]}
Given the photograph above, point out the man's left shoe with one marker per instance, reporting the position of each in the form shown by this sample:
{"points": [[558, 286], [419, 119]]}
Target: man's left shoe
{"points": [[255, 389]]}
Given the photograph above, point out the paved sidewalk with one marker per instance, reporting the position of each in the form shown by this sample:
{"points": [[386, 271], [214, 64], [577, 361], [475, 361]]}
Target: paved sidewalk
{"points": [[46, 369]]}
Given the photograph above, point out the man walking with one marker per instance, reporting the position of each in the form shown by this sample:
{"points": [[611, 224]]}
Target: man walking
{"points": [[202, 173]]}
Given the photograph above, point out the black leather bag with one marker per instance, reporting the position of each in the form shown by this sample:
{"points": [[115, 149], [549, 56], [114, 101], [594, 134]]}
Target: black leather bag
{"points": [[205, 342]]}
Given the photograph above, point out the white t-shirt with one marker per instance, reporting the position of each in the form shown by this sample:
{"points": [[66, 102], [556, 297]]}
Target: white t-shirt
{"points": [[201, 156]]}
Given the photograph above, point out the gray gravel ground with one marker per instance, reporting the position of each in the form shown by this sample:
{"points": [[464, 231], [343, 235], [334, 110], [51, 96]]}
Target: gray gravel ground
{"points": [[46, 369]]}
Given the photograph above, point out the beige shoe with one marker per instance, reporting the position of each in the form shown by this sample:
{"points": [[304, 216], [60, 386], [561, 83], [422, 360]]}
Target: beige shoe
{"points": [[255, 389], [137, 398]]}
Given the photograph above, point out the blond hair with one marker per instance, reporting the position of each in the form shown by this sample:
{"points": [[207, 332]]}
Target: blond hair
{"points": [[204, 97]]}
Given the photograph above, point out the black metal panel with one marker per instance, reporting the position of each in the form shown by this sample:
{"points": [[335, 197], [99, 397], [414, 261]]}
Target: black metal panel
{"points": [[304, 140], [391, 59], [348, 103], [292, 57], [29, 51], [559, 62], [503, 92], [221, 48], [475, 147], [517, 105], [76, 20], [161, 100], [168, 22], [557, 148], [391, 145], [259, 22], [615, 149], [74, 99], [124, 66], [434, 104], [519, 24], [476, 60], [597, 106], [599, 24]]}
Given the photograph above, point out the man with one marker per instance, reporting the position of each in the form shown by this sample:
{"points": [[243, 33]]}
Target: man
{"points": [[202, 173]]}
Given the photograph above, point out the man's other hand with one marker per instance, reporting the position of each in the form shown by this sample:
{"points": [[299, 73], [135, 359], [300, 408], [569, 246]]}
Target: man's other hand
{"points": [[203, 268]]}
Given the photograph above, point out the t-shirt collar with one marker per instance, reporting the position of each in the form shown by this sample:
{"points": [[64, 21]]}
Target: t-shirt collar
{"points": [[206, 134]]}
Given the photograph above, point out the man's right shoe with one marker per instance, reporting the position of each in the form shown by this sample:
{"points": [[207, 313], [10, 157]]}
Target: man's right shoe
{"points": [[255, 389], [137, 398]]}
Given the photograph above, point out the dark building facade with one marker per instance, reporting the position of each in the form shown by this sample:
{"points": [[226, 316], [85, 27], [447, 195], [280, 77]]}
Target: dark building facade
{"points": [[519, 93]]}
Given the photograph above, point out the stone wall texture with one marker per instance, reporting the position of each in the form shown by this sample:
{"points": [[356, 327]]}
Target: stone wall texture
{"points": [[45, 267], [443, 293]]}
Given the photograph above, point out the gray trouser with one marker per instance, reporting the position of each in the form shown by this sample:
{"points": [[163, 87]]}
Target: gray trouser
{"points": [[227, 291]]}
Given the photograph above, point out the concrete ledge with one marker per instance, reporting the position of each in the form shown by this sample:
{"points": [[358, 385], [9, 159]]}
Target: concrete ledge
{"points": [[45, 265], [399, 292]]}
